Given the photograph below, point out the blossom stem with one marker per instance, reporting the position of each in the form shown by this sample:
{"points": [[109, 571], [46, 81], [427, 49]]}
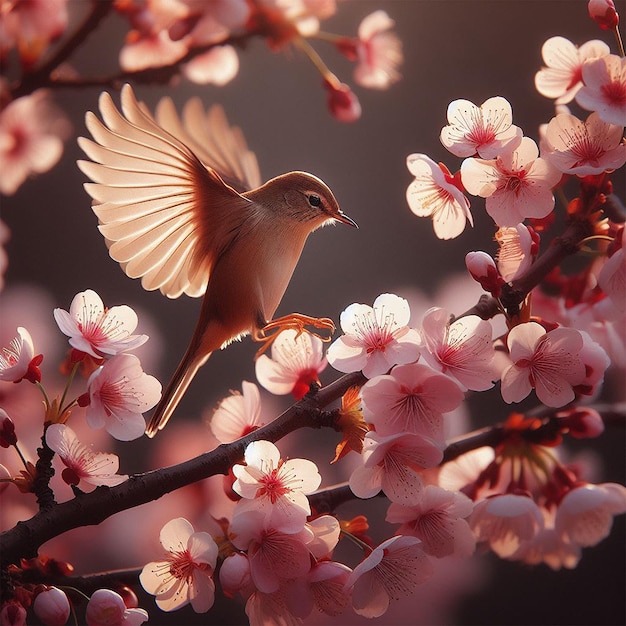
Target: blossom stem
{"points": [[618, 39], [316, 59], [19, 452], [366, 549], [46, 399], [67, 387]]}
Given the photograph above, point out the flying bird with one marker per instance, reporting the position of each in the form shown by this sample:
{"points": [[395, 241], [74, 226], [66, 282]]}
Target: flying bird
{"points": [[181, 205]]}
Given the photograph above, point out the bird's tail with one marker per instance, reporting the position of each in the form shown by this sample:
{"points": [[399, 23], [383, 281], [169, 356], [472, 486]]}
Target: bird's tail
{"points": [[174, 391]]}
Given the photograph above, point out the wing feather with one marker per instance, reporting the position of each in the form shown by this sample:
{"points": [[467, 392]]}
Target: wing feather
{"points": [[165, 216]]}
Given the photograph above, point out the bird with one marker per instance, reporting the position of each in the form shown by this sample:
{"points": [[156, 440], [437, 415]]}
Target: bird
{"points": [[180, 204]]}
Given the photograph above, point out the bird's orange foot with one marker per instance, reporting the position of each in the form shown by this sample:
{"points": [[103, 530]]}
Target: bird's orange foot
{"points": [[297, 322]]}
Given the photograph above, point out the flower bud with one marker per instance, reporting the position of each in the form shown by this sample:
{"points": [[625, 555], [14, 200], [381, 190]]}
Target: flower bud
{"points": [[235, 574], [12, 614], [105, 607], [603, 13], [582, 423], [7, 430], [342, 103], [483, 270], [52, 607]]}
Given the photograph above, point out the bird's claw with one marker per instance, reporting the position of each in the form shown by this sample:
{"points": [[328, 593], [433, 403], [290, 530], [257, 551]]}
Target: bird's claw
{"points": [[297, 322]]}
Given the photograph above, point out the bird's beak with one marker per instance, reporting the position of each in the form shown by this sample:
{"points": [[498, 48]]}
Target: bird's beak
{"points": [[344, 219]]}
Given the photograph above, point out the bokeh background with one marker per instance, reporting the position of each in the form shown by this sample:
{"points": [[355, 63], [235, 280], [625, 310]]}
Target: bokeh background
{"points": [[453, 49]]}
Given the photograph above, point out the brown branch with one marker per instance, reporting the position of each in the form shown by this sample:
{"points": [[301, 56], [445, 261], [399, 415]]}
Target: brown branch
{"points": [[90, 509]]}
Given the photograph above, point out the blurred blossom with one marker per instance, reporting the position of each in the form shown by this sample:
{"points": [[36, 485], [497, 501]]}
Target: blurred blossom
{"points": [[375, 338], [561, 77], [583, 148], [612, 279], [18, 361], [83, 467], [604, 13], [238, 414], [604, 89], [517, 184], [186, 574], [32, 131], [297, 360], [151, 50], [217, 66], [106, 607], [97, 330], [378, 52], [342, 102], [485, 130], [436, 193]]}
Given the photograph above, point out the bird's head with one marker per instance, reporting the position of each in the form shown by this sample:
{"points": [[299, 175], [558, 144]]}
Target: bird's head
{"points": [[301, 197]]}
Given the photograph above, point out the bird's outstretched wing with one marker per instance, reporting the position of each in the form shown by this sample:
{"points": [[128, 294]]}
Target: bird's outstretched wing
{"points": [[165, 216]]}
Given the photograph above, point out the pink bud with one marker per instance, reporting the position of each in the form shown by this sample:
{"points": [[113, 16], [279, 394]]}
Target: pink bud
{"points": [[235, 574], [105, 607], [342, 102], [603, 13], [483, 270], [7, 430], [52, 607], [12, 614], [582, 423]]}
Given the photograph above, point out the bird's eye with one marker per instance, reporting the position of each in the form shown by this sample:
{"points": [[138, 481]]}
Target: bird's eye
{"points": [[315, 200]]}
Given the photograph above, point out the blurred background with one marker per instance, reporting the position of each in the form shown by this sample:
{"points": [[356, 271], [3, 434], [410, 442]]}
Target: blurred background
{"points": [[453, 49]]}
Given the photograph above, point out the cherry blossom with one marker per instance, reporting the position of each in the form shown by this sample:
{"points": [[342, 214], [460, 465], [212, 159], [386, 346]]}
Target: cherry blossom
{"points": [[379, 52], [485, 130], [118, 393], [505, 521], [517, 247], [484, 271], [235, 575], [596, 361], [604, 89], [301, 16], [549, 547], [603, 13], [394, 464], [185, 576], [390, 572], [561, 77], [585, 515], [438, 520], [153, 49], [375, 338], [517, 184], [52, 607], [342, 102], [462, 349], [106, 607], [263, 609], [217, 66], [32, 131], [411, 399], [612, 279], [274, 487], [18, 360], [583, 148], [83, 467], [548, 362], [297, 359], [237, 414], [97, 330], [435, 193]]}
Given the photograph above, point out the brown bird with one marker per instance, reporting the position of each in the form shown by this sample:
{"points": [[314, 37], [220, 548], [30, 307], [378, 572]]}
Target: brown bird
{"points": [[180, 204]]}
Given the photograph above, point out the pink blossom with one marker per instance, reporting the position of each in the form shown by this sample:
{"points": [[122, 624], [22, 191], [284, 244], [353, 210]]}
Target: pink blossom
{"points": [[264, 609], [438, 520], [596, 361], [107, 608], [603, 13], [97, 330], [31, 138], [585, 514], [275, 488], [462, 349], [411, 399], [297, 360], [52, 607], [216, 66], [83, 467], [151, 50], [517, 247], [604, 89], [548, 362], [326, 530], [484, 271], [485, 130], [612, 279], [505, 521], [379, 52], [517, 184], [390, 572], [583, 148], [119, 392], [31, 26], [394, 464], [561, 77], [18, 361], [435, 193], [235, 575], [237, 414], [304, 15], [376, 338], [185, 576], [342, 102], [549, 547], [274, 556]]}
